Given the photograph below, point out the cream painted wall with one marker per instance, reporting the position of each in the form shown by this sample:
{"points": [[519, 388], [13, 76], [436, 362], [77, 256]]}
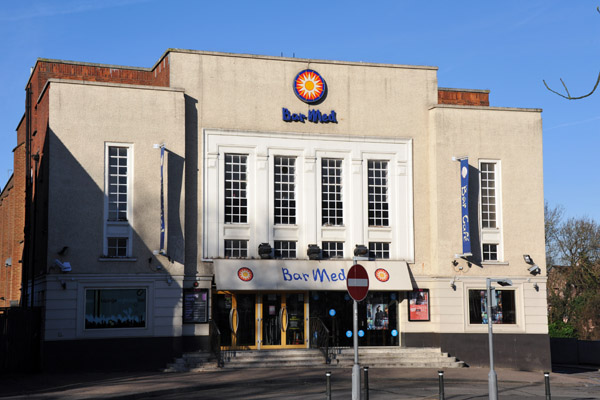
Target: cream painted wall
{"points": [[247, 93], [83, 117], [512, 136]]}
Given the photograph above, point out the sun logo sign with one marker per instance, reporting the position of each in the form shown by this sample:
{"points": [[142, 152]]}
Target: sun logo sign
{"points": [[309, 86]]}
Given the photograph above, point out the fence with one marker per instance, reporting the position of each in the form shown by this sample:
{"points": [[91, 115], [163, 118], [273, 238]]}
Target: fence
{"points": [[20, 339], [575, 352]]}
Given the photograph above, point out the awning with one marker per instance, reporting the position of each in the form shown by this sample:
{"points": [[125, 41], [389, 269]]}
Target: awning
{"points": [[286, 275]]}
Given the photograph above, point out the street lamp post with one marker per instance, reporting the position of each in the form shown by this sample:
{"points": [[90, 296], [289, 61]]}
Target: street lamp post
{"points": [[492, 377]]}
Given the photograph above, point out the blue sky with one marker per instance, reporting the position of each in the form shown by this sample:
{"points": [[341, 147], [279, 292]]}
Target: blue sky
{"points": [[507, 47]]}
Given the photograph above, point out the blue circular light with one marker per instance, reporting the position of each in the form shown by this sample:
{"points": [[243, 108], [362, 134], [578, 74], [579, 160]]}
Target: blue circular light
{"points": [[361, 333], [348, 333], [393, 296], [332, 312], [394, 333], [316, 296], [346, 297]]}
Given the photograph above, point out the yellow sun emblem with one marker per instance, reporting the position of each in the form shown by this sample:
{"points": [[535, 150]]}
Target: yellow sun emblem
{"points": [[309, 86]]}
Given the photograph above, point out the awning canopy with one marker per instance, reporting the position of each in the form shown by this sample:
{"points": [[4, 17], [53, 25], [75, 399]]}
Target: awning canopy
{"points": [[286, 275]]}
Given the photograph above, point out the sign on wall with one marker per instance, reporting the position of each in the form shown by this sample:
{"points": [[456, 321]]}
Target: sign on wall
{"points": [[310, 87], [464, 206], [418, 305], [195, 306]]}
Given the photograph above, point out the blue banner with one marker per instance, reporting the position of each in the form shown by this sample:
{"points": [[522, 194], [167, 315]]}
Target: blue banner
{"points": [[162, 200], [464, 202]]}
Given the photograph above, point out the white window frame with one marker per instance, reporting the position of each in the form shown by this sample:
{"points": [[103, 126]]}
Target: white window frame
{"points": [[492, 235], [518, 327], [309, 149], [118, 229]]}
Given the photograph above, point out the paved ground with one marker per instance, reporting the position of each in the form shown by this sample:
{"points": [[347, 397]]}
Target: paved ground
{"points": [[296, 384]]}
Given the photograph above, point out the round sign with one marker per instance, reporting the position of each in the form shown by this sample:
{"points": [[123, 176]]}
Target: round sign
{"points": [[309, 86], [358, 282]]}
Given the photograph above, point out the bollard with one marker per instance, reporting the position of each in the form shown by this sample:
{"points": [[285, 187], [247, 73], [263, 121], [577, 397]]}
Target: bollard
{"points": [[366, 370], [441, 380], [328, 387], [547, 381]]}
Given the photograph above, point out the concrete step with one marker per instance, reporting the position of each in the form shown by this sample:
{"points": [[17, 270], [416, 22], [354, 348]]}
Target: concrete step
{"points": [[374, 357]]}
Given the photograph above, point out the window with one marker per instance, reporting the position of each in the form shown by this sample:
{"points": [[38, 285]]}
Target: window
{"points": [[503, 307], [117, 246], [117, 183], [285, 199], [236, 200], [488, 195], [115, 308], [379, 250], [331, 192], [236, 249], [490, 252], [490, 212], [378, 191], [118, 195], [333, 250], [285, 249]]}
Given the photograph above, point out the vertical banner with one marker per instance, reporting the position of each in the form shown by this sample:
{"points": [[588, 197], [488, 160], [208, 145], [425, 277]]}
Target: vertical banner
{"points": [[464, 202], [162, 200]]}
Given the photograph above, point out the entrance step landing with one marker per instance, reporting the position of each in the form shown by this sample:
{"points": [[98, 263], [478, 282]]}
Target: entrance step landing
{"points": [[380, 357]]}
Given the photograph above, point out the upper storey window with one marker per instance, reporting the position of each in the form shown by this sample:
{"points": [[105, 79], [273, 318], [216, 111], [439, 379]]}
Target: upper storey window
{"points": [[285, 186], [379, 214], [488, 195], [236, 200], [331, 192], [118, 187], [118, 183]]}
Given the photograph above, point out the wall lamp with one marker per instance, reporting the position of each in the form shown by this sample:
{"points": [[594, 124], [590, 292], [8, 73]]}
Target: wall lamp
{"points": [[313, 252], [527, 259], [361, 251], [8, 262], [265, 251]]}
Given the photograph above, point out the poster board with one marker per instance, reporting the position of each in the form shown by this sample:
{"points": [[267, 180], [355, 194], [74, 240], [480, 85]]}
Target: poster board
{"points": [[195, 306], [418, 305]]}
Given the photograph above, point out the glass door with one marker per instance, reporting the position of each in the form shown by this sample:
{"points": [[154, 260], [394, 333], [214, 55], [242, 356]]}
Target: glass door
{"points": [[235, 316], [283, 320]]}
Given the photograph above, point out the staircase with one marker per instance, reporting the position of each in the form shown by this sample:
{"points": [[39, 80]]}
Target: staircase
{"points": [[373, 357]]}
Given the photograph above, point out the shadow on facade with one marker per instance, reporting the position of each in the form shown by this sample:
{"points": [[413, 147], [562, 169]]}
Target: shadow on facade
{"points": [[72, 227]]}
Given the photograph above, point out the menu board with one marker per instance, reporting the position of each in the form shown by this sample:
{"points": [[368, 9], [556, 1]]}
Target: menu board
{"points": [[195, 306], [418, 305]]}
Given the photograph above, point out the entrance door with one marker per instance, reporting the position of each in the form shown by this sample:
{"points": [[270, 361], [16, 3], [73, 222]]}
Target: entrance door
{"points": [[235, 315], [275, 320], [283, 320]]}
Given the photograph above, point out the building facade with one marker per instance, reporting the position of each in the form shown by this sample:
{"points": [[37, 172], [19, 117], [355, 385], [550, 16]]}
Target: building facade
{"points": [[238, 189]]}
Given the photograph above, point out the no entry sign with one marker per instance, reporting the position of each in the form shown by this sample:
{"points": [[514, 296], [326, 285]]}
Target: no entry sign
{"points": [[358, 282]]}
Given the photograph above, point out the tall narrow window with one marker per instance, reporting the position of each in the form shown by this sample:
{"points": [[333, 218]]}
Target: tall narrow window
{"points": [[117, 183], [488, 195], [285, 198], [331, 192], [378, 193], [236, 200], [118, 194]]}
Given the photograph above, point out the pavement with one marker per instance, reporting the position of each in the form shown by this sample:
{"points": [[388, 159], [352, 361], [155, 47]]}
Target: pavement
{"points": [[295, 384]]}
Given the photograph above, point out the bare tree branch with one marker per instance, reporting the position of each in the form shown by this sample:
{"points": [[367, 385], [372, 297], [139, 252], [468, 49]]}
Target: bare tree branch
{"points": [[568, 96]]}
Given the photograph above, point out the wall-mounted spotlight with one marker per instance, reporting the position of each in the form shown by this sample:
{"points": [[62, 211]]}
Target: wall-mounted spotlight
{"points": [[64, 251], [313, 252], [64, 266], [265, 251], [361, 250], [8, 262], [536, 287], [527, 259], [534, 270], [453, 285]]}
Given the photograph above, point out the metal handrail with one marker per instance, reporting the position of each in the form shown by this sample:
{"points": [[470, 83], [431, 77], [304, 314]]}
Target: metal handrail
{"points": [[319, 337], [215, 343]]}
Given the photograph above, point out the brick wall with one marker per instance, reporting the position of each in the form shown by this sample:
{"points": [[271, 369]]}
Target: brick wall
{"points": [[464, 97]]}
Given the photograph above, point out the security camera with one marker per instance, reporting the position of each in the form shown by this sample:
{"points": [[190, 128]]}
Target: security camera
{"points": [[534, 270], [64, 266]]}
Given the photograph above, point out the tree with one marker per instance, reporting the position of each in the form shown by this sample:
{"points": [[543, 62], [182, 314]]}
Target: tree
{"points": [[573, 256], [568, 95]]}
